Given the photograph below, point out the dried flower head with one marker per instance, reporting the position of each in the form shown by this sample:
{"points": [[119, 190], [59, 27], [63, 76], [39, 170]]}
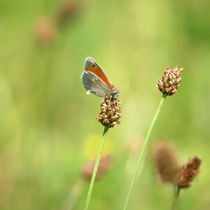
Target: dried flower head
{"points": [[45, 31], [104, 165], [166, 162], [188, 172], [110, 112], [68, 10], [134, 145], [170, 81]]}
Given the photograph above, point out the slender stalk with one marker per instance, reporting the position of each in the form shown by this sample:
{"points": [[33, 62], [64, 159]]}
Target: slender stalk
{"points": [[73, 195], [141, 152], [176, 196], [93, 178]]}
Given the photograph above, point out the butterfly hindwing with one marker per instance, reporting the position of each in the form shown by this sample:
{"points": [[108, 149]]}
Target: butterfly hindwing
{"points": [[93, 84]]}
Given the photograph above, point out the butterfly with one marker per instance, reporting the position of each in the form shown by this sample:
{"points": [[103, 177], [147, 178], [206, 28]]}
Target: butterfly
{"points": [[95, 80]]}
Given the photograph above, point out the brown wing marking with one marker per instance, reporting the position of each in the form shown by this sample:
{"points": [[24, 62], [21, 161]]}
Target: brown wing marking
{"points": [[95, 69]]}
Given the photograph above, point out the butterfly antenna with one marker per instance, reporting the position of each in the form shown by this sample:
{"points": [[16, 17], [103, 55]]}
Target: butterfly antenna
{"points": [[125, 86]]}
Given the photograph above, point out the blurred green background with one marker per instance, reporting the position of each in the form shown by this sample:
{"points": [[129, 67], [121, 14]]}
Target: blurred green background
{"points": [[47, 120]]}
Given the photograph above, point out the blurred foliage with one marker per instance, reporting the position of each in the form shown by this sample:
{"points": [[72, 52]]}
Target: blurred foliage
{"points": [[46, 115]]}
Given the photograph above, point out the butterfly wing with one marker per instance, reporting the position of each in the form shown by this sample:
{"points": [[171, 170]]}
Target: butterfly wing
{"points": [[92, 66], [95, 80], [93, 84]]}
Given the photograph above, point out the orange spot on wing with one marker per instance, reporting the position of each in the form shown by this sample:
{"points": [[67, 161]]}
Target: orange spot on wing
{"points": [[101, 74]]}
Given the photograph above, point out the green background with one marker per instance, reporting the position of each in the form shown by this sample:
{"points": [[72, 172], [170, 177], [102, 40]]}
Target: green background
{"points": [[47, 120]]}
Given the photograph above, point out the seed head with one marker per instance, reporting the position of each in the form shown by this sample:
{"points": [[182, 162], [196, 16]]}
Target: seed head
{"points": [[188, 172], [166, 162], [170, 81], [134, 145], [110, 112], [45, 31], [104, 165], [68, 11]]}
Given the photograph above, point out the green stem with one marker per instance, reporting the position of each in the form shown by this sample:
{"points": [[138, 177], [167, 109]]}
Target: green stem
{"points": [[73, 195], [176, 196], [141, 152], [93, 178]]}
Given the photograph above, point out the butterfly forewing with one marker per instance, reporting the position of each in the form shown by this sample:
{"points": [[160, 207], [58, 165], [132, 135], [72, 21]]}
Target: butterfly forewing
{"points": [[92, 66]]}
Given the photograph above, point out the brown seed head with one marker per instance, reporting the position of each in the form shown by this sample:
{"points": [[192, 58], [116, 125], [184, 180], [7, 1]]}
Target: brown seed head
{"points": [[45, 31], [104, 165], [170, 81], [134, 145], [166, 162], [188, 172], [68, 11], [110, 112]]}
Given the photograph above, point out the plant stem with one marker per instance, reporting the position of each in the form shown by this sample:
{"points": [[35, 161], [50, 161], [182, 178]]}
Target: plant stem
{"points": [[93, 178], [176, 196], [73, 195], [141, 152]]}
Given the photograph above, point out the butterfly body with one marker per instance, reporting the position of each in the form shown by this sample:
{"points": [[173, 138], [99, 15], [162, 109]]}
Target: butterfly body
{"points": [[96, 81]]}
